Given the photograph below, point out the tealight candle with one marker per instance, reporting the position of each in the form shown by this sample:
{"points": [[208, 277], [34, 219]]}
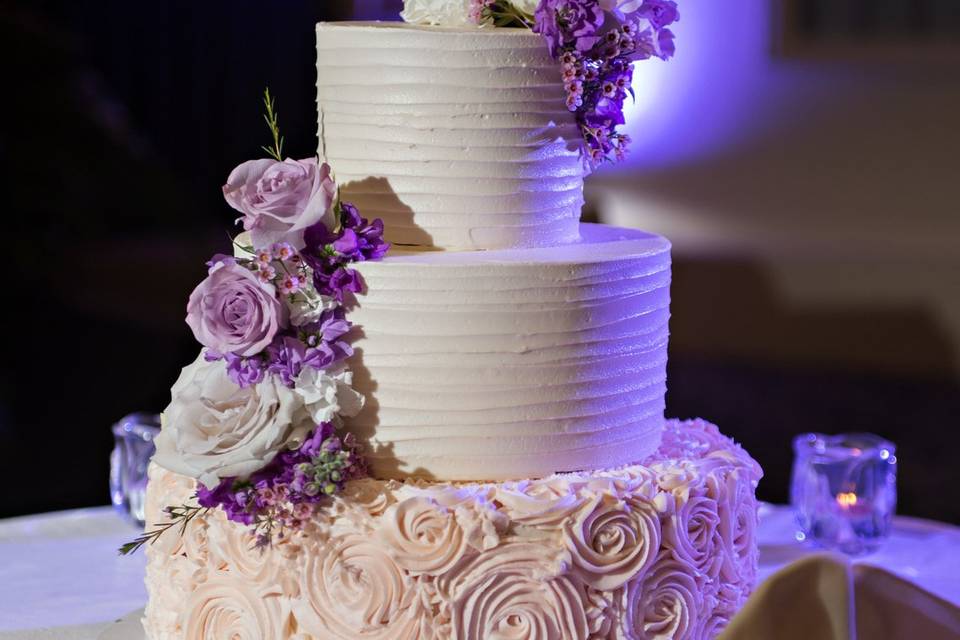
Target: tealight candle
{"points": [[844, 490], [133, 447]]}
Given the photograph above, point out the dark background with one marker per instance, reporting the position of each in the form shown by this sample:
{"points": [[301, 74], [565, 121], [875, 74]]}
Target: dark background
{"points": [[120, 122]]}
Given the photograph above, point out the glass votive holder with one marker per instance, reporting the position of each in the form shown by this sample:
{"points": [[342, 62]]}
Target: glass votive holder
{"points": [[844, 490], [133, 447]]}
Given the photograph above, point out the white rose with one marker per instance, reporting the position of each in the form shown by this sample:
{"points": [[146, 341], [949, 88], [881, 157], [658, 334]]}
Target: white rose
{"points": [[214, 429], [446, 13], [325, 394], [527, 6]]}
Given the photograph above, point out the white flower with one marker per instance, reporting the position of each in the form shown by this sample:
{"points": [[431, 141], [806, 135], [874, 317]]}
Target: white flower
{"points": [[327, 393], [214, 429], [446, 13], [527, 6], [307, 305]]}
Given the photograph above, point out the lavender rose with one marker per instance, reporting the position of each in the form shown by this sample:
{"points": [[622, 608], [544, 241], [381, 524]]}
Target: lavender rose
{"points": [[279, 200], [232, 311]]}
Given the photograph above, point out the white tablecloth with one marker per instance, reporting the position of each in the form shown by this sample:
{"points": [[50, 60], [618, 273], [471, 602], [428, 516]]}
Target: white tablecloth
{"points": [[61, 577]]}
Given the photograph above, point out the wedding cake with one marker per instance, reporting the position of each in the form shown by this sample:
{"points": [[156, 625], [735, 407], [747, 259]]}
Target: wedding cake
{"points": [[448, 421]]}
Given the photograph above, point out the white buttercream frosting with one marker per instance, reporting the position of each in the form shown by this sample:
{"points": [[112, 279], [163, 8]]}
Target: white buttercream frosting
{"points": [[616, 553], [513, 363], [458, 138]]}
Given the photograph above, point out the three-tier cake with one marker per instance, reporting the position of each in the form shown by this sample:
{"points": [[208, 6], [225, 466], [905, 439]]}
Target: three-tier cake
{"points": [[522, 480]]}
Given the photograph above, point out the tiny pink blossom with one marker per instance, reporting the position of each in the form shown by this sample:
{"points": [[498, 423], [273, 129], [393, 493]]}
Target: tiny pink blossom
{"points": [[282, 251], [290, 284], [263, 256], [303, 510], [266, 273]]}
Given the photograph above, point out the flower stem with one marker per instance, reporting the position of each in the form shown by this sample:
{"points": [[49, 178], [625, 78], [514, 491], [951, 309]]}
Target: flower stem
{"points": [[181, 516]]}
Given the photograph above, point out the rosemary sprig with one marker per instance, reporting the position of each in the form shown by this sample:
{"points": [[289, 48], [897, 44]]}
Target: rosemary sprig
{"points": [[276, 151], [181, 516]]}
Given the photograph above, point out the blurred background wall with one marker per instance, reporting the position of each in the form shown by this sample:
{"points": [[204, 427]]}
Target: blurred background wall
{"points": [[801, 155]]}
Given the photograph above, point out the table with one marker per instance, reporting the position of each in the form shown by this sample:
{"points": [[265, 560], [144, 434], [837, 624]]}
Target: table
{"points": [[61, 577]]}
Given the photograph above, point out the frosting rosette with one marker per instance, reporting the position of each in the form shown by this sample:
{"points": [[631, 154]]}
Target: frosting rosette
{"points": [[739, 528], [171, 579], [692, 531], [214, 429], [612, 540], [236, 550], [224, 607], [539, 503], [514, 594], [351, 588], [665, 603], [422, 536]]}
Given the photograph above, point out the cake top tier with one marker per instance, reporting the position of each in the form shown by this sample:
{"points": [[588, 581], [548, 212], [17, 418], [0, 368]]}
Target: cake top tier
{"points": [[459, 138]]}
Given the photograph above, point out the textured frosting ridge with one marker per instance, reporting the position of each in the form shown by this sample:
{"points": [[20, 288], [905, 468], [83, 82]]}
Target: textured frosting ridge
{"points": [[458, 138], [665, 549], [514, 364]]}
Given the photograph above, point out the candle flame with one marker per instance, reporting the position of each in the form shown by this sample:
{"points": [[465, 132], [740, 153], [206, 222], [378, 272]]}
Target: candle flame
{"points": [[847, 499]]}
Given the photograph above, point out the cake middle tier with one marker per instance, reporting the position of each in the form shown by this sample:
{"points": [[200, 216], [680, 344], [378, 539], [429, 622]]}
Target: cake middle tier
{"points": [[494, 365], [459, 138]]}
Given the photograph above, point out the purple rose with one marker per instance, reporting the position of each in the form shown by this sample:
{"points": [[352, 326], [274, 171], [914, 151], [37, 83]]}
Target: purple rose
{"points": [[232, 311], [279, 200], [568, 21]]}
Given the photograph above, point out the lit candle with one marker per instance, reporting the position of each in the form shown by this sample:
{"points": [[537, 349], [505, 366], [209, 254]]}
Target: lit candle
{"points": [[844, 490]]}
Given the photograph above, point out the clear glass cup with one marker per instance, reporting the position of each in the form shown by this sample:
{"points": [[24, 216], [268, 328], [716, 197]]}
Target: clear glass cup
{"points": [[844, 490], [133, 447]]}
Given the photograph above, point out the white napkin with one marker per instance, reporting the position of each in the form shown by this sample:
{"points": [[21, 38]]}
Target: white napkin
{"points": [[825, 597]]}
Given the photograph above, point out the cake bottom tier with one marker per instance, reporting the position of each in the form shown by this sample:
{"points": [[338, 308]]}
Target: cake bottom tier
{"points": [[662, 549]]}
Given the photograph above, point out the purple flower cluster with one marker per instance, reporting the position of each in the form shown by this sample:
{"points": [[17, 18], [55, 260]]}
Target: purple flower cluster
{"points": [[329, 253], [282, 495], [596, 50], [319, 344]]}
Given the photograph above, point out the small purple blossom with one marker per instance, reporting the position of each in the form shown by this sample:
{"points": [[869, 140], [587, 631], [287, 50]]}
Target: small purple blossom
{"points": [[243, 371], [328, 253], [285, 359], [285, 492], [568, 23], [660, 13], [596, 42]]}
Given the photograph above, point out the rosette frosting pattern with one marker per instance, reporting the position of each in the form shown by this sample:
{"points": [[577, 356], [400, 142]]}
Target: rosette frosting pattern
{"points": [[663, 549]]}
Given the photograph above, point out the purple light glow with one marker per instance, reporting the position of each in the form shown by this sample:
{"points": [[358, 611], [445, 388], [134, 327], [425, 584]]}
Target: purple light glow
{"points": [[703, 98]]}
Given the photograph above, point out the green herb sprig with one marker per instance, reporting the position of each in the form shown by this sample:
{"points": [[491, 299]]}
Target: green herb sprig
{"points": [[271, 116], [179, 516]]}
